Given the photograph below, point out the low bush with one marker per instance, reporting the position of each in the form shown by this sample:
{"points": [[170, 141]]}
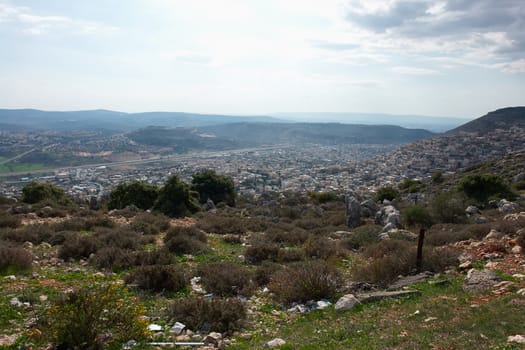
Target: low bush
{"points": [[150, 224], [232, 239], [159, 256], [14, 258], [261, 250], [324, 248], [362, 236], [304, 281], [226, 279], [185, 240], [290, 254], [264, 272], [201, 315], [213, 223], [159, 278], [10, 221], [113, 258], [448, 207], [92, 318], [79, 246], [35, 234], [443, 234], [284, 233], [87, 223], [119, 237]]}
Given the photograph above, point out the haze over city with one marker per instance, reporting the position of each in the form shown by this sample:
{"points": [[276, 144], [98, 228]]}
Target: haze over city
{"points": [[442, 58]]}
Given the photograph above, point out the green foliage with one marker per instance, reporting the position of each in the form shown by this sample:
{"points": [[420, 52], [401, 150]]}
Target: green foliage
{"points": [[176, 199], [437, 177], [36, 192], [411, 185], [210, 185], [304, 281], [159, 278], [217, 315], [10, 221], [14, 258], [137, 193], [519, 186], [482, 187], [387, 192], [93, 317], [324, 197], [417, 216], [448, 207]]}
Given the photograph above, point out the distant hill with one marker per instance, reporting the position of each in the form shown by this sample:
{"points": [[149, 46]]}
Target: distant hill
{"points": [[432, 123], [503, 118], [239, 135], [115, 121]]}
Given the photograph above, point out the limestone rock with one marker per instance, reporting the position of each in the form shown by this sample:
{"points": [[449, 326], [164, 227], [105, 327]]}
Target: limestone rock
{"points": [[410, 280], [493, 234], [472, 210], [480, 280], [353, 212], [275, 343], [177, 328], [519, 339], [346, 302], [516, 249]]}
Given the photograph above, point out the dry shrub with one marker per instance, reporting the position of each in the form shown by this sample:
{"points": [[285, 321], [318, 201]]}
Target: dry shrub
{"points": [[261, 250], [521, 240], [14, 258], [284, 233], [439, 235], [214, 223], [35, 234], [160, 256], [509, 227], [159, 278], [226, 279], [304, 281], [79, 246], [85, 223], [10, 221], [290, 254], [113, 258], [232, 239], [324, 248], [264, 272], [150, 224], [185, 240], [201, 315], [362, 236], [438, 259]]}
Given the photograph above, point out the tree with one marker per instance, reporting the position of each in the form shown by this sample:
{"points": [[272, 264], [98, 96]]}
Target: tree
{"points": [[36, 192], [449, 207], [482, 187], [137, 193], [176, 199], [217, 187]]}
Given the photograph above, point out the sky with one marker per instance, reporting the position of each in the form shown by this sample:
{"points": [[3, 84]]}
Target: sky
{"points": [[460, 58]]}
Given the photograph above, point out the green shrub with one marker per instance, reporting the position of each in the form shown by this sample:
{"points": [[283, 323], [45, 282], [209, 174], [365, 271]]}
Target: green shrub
{"points": [[417, 216], [36, 192], [304, 281], [210, 185], [159, 278], [35, 234], [185, 240], [482, 187], [519, 186], [362, 236], [226, 279], [175, 199], [137, 193], [201, 315], [324, 197], [118, 237], [448, 207], [387, 192], [84, 318], [14, 258]]}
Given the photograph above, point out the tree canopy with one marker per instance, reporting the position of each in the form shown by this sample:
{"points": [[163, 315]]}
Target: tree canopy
{"points": [[137, 193], [36, 192], [482, 187], [176, 198], [210, 185]]}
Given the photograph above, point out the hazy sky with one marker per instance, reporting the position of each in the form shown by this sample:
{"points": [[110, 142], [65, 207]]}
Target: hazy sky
{"points": [[451, 58]]}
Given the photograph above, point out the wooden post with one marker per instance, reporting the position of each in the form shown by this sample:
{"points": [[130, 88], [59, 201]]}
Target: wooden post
{"points": [[419, 259]]}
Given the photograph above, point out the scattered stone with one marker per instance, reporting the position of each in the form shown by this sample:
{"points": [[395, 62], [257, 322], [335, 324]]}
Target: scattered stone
{"points": [[183, 338], [246, 336], [28, 245], [516, 249], [177, 328], [507, 207], [346, 302], [299, 308], [472, 210], [275, 343], [368, 208], [154, 327], [129, 344], [42, 298], [465, 265], [519, 276], [493, 234], [519, 339], [521, 291], [491, 265], [213, 338], [195, 285], [99, 275], [15, 302], [10, 277], [480, 219], [429, 319], [480, 280], [322, 304], [410, 280]]}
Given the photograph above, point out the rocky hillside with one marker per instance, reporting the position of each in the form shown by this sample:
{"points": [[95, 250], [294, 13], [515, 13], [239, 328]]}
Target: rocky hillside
{"points": [[504, 118]]}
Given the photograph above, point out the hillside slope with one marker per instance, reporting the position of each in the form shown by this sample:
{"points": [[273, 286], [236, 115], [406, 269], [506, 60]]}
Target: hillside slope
{"points": [[503, 118]]}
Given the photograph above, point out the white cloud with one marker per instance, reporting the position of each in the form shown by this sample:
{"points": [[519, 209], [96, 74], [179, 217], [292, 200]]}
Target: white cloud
{"points": [[413, 70]]}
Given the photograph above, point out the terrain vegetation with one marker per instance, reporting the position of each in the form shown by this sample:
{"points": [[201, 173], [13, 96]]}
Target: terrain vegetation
{"points": [[194, 261]]}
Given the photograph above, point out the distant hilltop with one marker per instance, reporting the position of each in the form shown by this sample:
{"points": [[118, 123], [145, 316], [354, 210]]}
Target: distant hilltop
{"points": [[503, 118]]}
